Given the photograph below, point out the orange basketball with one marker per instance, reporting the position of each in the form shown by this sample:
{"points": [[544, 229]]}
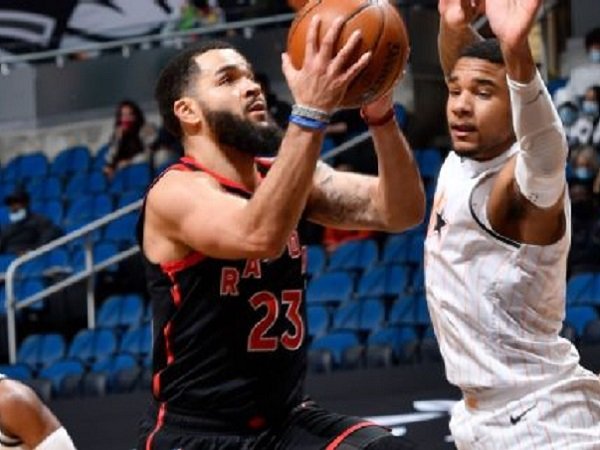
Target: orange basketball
{"points": [[383, 33]]}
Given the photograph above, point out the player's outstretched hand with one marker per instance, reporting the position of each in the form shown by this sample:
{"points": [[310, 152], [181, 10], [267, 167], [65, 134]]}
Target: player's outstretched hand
{"points": [[458, 14]]}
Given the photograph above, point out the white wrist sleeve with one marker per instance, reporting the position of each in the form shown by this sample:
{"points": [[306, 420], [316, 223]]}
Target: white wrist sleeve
{"points": [[58, 440], [540, 165]]}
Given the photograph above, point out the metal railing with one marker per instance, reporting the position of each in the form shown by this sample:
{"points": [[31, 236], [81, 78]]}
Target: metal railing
{"points": [[12, 305]]}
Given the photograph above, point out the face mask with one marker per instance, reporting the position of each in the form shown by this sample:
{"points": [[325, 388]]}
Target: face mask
{"points": [[595, 55], [590, 108], [17, 215], [583, 173], [568, 116]]}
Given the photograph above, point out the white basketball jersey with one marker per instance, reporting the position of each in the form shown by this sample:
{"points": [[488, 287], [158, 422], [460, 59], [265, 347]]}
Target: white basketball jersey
{"points": [[497, 306], [7, 442]]}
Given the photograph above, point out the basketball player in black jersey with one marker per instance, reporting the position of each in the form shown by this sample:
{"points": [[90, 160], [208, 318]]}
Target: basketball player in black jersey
{"points": [[224, 264], [26, 423]]}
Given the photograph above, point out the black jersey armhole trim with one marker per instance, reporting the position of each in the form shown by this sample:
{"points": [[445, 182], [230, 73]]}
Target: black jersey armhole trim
{"points": [[488, 230]]}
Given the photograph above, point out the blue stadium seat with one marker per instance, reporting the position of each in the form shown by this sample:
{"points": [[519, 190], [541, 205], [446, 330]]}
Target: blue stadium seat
{"points": [[76, 186], [59, 371], [100, 158], [114, 364], [5, 260], [579, 316], [333, 288], [102, 205], [135, 177], [80, 210], [584, 289], [122, 230], [70, 161], [381, 281], [97, 183], [402, 340], [316, 260], [104, 250], [53, 210], [121, 311], [404, 311], [127, 198], [396, 249], [41, 350], [137, 341], [360, 315], [415, 252], [400, 113], [430, 162], [57, 262], [93, 345], [556, 84], [26, 167], [336, 342], [18, 371], [591, 333], [418, 280], [29, 287], [318, 320], [354, 255]]}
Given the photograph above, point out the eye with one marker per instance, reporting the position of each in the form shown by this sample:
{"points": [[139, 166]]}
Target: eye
{"points": [[454, 92], [484, 94]]}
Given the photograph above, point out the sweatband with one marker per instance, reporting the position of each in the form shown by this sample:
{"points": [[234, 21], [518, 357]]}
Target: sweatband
{"points": [[57, 440], [540, 165]]}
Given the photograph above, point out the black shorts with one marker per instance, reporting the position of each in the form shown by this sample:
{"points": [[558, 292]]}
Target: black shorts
{"points": [[308, 427]]}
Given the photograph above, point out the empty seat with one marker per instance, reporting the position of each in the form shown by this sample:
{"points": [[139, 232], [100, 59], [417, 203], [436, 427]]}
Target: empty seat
{"points": [[401, 339], [92, 345], [18, 371], [70, 161], [330, 288], [316, 259], [361, 315], [58, 371], [121, 311], [41, 350], [318, 320], [579, 316], [381, 281], [336, 342], [137, 341], [354, 255], [113, 365], [584, 289]]}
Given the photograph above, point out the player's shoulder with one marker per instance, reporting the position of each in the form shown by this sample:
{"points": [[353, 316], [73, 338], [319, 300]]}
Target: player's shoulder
{"points": [[17, 398]]}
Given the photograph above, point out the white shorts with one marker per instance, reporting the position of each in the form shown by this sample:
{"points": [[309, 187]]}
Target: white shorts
{"points": [[562, 416]]}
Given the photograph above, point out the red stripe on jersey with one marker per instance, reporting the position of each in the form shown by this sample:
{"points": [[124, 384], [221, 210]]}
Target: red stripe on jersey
{"points": [[160, 420], [167, 331], [347, 432], [220, 178], [178, 265]]}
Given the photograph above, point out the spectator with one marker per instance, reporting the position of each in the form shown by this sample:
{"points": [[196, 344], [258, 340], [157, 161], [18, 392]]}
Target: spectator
{"points": [[27, 230], [280, 110], [197, 13], [569, 114], [585, 75], [131, 138], [586, 130]]}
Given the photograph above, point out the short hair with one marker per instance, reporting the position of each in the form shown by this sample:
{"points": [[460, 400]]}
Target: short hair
{"points": [[487, 50], [176, 78], [592, 37]]}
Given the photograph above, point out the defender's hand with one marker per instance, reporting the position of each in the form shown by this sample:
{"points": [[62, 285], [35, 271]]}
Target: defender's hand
{"points": [[511, 20], [458, 14]]}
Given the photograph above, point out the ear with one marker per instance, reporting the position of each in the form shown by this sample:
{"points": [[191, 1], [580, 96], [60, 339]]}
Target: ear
{"points": [[188, 112]]}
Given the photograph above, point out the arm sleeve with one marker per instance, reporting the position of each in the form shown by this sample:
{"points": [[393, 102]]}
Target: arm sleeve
{"points": [[57, 440], [540, 165]]}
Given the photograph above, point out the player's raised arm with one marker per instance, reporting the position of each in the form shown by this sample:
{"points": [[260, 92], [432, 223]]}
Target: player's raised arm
{"points": [[455, 31]]}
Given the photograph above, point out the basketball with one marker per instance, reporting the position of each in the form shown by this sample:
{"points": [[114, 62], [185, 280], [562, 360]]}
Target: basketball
{"points": [[383, 33]]}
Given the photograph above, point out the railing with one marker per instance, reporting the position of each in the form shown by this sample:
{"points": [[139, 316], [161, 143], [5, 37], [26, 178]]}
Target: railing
{"points": [[12, 306]]}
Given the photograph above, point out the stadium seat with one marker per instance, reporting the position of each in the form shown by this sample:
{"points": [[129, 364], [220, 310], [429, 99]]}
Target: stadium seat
{"points": [[127, 198], [330, 288], [79, 211], [42, 387], [396, 248], [430, 349], [389, 280], [71, 161], [318, 320], [97, 183], [28, 287], [316, 260], [57, 262], [584, 289], [379, 356], [401, 339], [137, 341], [126, 380], [26, 167], [57, 372], [92, 345], [430, 162], [579, 316], [18, 371], [114, 364], [76, 186], [336, 342], [52, 189], [41, 350], [99, 159], [5, 260], [53, 210], [353, 357], [121, 311], [135, 177], [122, 230], [93, 384], [591, 333], [356, 255], [105, 250], [360, 315], [102, 205]]}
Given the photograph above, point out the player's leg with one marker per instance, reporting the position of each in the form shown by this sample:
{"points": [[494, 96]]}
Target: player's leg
{"points": [[312, 427]]}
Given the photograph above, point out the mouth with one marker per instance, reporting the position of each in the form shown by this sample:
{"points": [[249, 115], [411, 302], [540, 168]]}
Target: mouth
{"points": [[462, 130], [257, 106]]}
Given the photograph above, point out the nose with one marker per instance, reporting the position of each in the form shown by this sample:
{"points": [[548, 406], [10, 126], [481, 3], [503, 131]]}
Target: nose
{"points": [[251, 88], [461, 104]]}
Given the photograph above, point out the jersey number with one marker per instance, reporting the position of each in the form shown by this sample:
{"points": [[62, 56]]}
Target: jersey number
{"points": [[258, 341]]}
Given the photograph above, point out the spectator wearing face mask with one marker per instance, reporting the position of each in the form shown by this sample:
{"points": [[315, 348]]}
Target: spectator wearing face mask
{"points": [[26, 230], [585, 75], [131, 138], [569, 114], [586, 130]]}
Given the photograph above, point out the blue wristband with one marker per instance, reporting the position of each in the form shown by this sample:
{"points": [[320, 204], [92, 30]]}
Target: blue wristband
{"points": [[306, 122]]}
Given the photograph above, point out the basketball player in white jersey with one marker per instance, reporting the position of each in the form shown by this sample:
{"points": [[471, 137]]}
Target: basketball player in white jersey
{"points": [[26, 423], [497, 244]]}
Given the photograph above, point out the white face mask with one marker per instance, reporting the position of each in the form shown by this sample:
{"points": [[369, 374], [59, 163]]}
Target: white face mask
{"points": [[595, 55], [17, 215]]}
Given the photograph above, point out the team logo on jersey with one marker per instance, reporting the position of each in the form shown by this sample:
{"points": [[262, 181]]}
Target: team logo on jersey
{"points": [[440, 222]]}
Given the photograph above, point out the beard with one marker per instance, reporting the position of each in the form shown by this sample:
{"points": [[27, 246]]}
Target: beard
{"points": [[242, 134]]}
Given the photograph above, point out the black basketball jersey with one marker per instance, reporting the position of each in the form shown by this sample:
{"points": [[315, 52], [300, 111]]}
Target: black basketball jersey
{"points": [[229, 335]]}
